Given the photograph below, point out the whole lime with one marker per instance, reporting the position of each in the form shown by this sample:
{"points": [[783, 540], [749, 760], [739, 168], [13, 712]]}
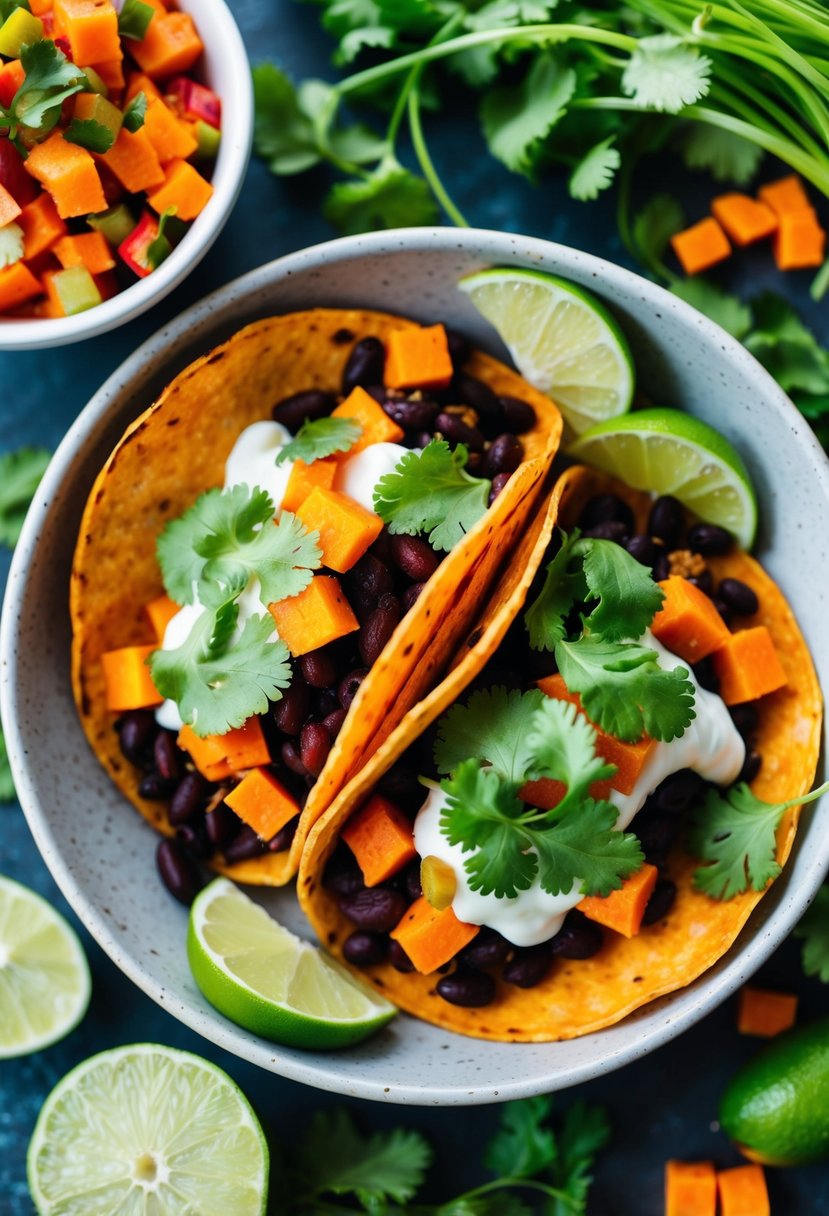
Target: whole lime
{"points": [[776, 1108]]}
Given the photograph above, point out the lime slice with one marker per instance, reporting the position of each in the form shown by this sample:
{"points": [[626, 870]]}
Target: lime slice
{"points": [[146, 1129], [561, 339], [668, 452], [44, 976], [264, 978]]}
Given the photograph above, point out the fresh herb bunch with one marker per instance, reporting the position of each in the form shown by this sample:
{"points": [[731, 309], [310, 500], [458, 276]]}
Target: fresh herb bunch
{"points": [[592, 88], [538, 1167]]}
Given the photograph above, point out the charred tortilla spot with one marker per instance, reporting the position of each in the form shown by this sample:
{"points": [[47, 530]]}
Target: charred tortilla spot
{"points": [[341, 337]]}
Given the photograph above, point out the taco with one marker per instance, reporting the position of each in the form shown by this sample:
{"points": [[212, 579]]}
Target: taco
{"points": [[559, 871], [235, 726]]}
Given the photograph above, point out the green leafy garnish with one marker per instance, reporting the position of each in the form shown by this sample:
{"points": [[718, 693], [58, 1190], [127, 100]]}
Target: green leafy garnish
{"points": [[229, 536], [431, 492], [135, 113], [735, 832], [665, 74], [595, 171], [49, 79], [492, 727], [321, 437], [20, 474], [726, 310], [814, 931], [390, 197], [134, 20], [517, 118], [7, 790], [727, 157], [87, 133]]}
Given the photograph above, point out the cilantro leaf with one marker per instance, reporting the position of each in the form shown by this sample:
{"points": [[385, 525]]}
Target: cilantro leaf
{"points": [[628, 597], [20, 474], [518, 118], [653, 228], [664, 74], [482, 814], [623, 689], [725, 310], [727, 157], [583, 847], [562, 744], [218, 682], [584, 1131], [87, 133], [564, 587], [390, 197], [492, 727], [431, 492], [736, 832], [134, 20], [7, 791], [813, 929], [522, 1146], [595, 170], [49, 79], [283, 136], [321, 437], [786, 348], [135, 113]]}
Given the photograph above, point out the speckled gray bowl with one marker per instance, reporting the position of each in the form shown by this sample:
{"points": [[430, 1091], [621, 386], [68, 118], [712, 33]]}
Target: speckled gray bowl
{"points": [[101, 852]]}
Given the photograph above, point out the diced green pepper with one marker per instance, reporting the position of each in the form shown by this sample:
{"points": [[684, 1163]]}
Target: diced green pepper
{"points": [[21, 28], [76, 290], [208, 139], [115, 224], [103, 111], [96, 84]]}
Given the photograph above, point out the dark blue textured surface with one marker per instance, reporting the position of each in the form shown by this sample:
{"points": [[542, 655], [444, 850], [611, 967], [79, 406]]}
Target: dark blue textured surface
{"points": [[661, 1107]]}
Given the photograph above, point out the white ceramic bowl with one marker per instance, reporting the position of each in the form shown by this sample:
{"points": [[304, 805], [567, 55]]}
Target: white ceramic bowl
{"points": [[226, 70], [102, 853]]}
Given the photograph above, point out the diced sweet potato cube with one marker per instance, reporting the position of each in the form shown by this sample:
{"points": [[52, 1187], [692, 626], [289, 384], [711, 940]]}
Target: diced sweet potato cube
{"points": [[88, 249], [69, 174], [346, 529], [171, 45], [262, 802], [743, 1191], [785, 195], [208, 754], [318, 615], [381, 838], [139, 82], [690, 1188], [9, 207], [431, 938], [170, 137], [744, 219], [218, 756], [799, 241], [17, 285], [184, 189], [305, 478], [418, 358], [133, 160], [376, 424], [764, 1013], [688, 623], [92, 29], [111, 72], [127, 678], [42, 226], [623, 910], [700, 246], [161, 611], [747, 666]]}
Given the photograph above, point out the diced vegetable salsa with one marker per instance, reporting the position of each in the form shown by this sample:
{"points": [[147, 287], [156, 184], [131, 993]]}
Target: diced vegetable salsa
{"points": [[106, 148]]}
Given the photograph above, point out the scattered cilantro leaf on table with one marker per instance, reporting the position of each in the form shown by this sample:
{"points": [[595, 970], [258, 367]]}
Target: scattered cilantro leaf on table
{"points": [[390, 197], [431, 492], [595, 171], [20, 474], [813, 929], [491, 727], [524, 1144], [727, 157], [135, 113], [516, 119], [7, 791], [90, 134], [584, 1132], [321, 437]]}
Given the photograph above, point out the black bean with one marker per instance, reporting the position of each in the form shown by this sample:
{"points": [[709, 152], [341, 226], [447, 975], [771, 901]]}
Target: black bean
{"points": [[189, 798], [221, 824], [665, 520], [704, 580], [469, 390], [487, 949], [723, 609], [166, 755], [410, 596], [413, 414], [475, 464], [363, 949], [660, 902], [412, 885], [327, 702], [365, 365], [459, 348], [290, 713], [178, 871], [155, 788], [284, 837], [498, 483], [422, 439], [519, 415], [707, 677], [349, 685], [318, 668], [370, 576], [136, 732], [577, 938], [245, 845], [415, 557], [454, 430], [528, 967], [657, 834], [603, 508], [401, 785], [661, 567], [678, 792], [469, 989], [611, 529], [739, 596], [306, 406], [291, 759], [751, 767], [745, 718], [342, 874], [642, 548], [377, 909], [378, 629], [399, 959], [333, 722], [314, 746], [709, 539], [504, 456], [195, 839]]}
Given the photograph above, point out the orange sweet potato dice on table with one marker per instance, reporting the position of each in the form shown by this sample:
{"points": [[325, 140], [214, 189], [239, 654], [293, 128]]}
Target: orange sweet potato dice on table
{"points": [[42, 226], [431, 938], [377, 426], [88, 249], [743, 218], [623, 910], [700, 246], [17, 285], [161, 611], [305, 478], [799, 241], [381, 838], [263, 803], [127, 678], [168, 134], [346, 529], [688, 623], [132, 159], [171, 45], [764, 1013], [92, 29], [747, 666], [69, 174], [418, 358], [743, 1191], [318, 615], [183, 188], [690, 1188], [785, 195], [9, 207]]}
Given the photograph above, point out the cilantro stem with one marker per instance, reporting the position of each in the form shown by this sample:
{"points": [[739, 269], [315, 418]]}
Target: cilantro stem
{"points": [[412, 79], [426, 165], [803, 799]]}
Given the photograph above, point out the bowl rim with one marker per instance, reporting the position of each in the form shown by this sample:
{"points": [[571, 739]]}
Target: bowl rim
{"points": [[38, 333], [699, 998]]}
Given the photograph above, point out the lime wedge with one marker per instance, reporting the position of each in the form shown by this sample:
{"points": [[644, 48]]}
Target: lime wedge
{"points": [[44, 977], [668, 452], [561, 339], [144, 1129], [264, 978]]}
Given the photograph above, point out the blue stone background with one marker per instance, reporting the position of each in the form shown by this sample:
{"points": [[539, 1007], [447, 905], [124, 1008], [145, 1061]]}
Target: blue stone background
{"points": [[661, 1107]]}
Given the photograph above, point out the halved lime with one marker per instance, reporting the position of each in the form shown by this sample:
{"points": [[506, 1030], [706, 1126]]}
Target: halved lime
{"points": [[262, 977], [144, 1129], [561, 339], [44, 976], [668, 452]]}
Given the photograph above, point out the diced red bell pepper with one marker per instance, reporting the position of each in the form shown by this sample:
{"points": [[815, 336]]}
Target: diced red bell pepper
{"points": [[63, 45], [21, 185], [194, 101], [134, 249]]}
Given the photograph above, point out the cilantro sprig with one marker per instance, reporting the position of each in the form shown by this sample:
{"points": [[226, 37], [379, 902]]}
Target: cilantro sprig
{"points": [[87, 133], [430, 491], [20, 474], [49, 79], [7, 791], [136, 112], [321, 437], [814, 932]]}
